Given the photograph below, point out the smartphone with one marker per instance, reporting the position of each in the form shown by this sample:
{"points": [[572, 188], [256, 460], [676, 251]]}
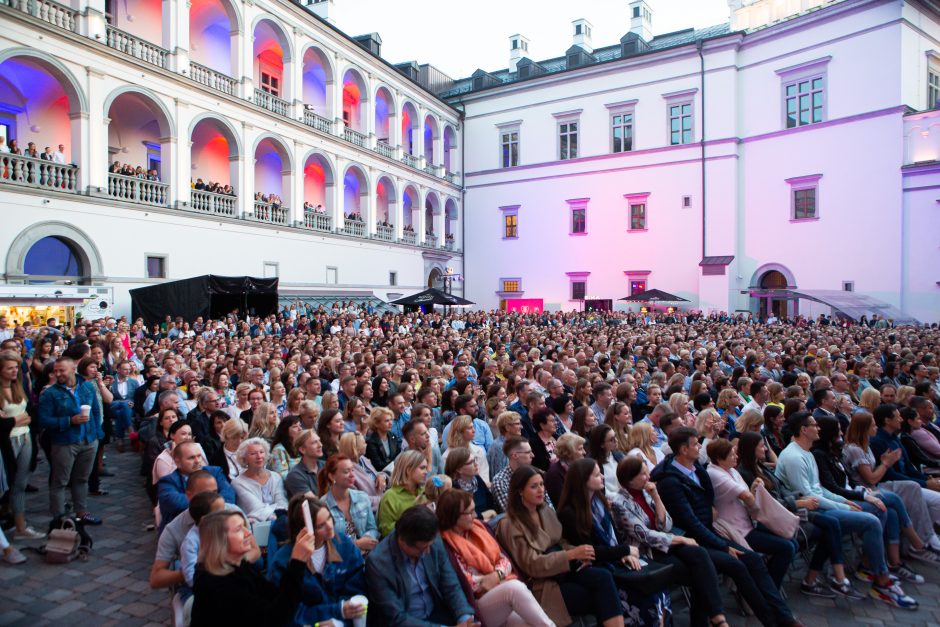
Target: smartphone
{"points": [[308, 520]]}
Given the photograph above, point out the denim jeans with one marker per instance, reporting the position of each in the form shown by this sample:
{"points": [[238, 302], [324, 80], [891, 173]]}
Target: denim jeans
{"points": [[122, 415], [827, 532], [754, 583], [869, 528], [22, 453], [780, 551]]}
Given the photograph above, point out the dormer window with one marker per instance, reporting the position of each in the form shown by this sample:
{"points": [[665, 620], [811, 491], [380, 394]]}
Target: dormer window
{"points": [[636, 11], [577, 29], [515, 44]]}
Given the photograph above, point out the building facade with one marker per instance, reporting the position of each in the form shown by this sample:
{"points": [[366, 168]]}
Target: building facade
{"points": [[782, 162], [269, 144]]}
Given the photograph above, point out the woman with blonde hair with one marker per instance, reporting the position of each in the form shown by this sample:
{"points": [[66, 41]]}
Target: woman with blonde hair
{"points": [[229, 589], [729, 408], [461, 434], [904, 395], [708, 425], [411, 471], [750, 420], [640, 442], [294, 398], [15, 421], [679, 403], [241, 400], [309, 413], [365, 477], [329, 401], [233, 434], [382, 446], [264, 422], [870, 400]]}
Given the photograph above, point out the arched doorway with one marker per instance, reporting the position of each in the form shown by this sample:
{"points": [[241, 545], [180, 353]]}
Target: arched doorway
{"points": [[767, 292], [53, 252], [435, 279]]}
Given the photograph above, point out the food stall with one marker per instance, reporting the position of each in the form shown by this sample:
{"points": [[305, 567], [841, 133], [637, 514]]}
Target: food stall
{"points": [[65, 303]]}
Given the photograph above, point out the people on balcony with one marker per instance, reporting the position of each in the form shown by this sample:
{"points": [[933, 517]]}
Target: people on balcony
{"points": [[129, 170], [310, 208], [212, 186], [355, 216], [272, 199]]}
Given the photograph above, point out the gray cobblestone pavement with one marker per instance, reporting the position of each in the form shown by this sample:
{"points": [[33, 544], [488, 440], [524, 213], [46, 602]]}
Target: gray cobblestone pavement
{"points": [[111, 587]]}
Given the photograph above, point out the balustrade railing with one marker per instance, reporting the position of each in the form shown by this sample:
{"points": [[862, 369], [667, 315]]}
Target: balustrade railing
{"points": [[317, 121], [354, 137], [136, 190], [216, 204], [271, 102], [431, 169], [450, 177], [410, 160], [385, 150], [318, 221], [430, 241], [450, 245], [385, 233], [409, 237], [212, 79], [137, 47], [272, 214], [356, 228], [38, 173], [48, 11]]}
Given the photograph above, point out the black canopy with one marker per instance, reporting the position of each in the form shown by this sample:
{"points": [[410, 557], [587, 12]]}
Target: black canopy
{"points": [[209, 296], [432, 296], [655, 296]]}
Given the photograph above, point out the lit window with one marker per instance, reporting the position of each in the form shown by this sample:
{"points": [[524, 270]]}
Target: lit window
{"points": [[511, 224], [568, 140], [513, 285], [680, 123], [510, 149], [622, 132], [804, 102], [270, 84], [637, 287]]}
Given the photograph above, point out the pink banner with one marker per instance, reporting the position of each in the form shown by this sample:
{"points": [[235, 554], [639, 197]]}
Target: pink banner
{"points": [[524, 305]]}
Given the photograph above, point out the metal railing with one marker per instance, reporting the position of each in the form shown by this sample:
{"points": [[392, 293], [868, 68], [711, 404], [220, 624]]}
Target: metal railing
{"points": [[271, 102], [354, 137], [217, 204], [317, 121], [318, 221], [212, 79], [409, 237], [137, 190], [355, 228], [266, 212], [410, 160], [385, 150], [137, 47], [385, 233], [38, 173], [48, 11]]}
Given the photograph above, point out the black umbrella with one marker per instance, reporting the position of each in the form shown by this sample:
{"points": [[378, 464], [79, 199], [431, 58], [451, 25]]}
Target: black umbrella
{"points": [[655, 296], [432, 296]]}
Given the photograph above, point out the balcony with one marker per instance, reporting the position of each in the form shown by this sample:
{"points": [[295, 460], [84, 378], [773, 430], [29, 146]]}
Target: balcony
{"points": [[48, 11], [137, 190], [385, 233], [430, 169], [410, 160], [450, 245], [430, 241], [318, 221], [318, 122], [384, 149], [137, 48], [451, 177], [269, 214], [409, 237], [354, 137], [38, 173], [212, 79], [215, 204], [356, 228], [271, 102]]}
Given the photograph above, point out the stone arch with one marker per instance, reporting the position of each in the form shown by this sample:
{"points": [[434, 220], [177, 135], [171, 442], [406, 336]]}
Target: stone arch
{"points": [[235, 143], [770, 267], [281, 146], [78, 103], [278, 29], [84, 247], [763, 301], [165, 119]]}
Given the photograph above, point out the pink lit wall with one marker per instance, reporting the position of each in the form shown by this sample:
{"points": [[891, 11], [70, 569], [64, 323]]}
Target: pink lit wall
{"points": [[38, 104], [382, 191], [407, 129], [141, 18], [315, 183], [352, 101], [210, 154], [268, 54], [210, 40]]}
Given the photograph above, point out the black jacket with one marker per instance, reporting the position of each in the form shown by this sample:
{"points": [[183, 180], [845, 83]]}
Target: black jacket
{"points": [[376, 452], [246, 597], [833, 477], [689, 504]]}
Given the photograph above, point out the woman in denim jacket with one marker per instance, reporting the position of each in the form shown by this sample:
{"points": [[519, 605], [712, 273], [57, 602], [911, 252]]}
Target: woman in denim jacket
{"points": [[351, 509]]}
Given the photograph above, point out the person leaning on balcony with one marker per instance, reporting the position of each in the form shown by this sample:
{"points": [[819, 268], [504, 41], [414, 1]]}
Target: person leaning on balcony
{"points": [[46, 154], [3, 145], [59, 155]]}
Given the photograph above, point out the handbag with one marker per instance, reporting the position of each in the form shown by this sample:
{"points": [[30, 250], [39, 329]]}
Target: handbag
{"points": [[653, 578], [775, 516], [62, 545]]}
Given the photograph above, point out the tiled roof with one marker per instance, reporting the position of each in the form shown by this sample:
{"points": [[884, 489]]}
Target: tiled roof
{"points": [[605, 54]]}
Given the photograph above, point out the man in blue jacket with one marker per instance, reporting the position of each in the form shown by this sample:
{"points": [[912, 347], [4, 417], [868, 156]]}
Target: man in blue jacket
{"points": [[171, 489], [74, 437], [411, 580], [687, 493]]}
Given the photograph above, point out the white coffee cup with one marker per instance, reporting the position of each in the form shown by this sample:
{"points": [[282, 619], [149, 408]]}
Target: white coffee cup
{"points": [[86, 410], [364, 602]]}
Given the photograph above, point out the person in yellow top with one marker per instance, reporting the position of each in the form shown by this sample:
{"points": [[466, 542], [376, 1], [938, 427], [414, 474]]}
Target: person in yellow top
{"points": [[408, 477]]}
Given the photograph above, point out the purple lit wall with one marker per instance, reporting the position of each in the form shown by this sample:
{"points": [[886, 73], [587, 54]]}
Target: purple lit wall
{"points": [[315, 172], [210, 153], [315, 78], [409, 201], [408, 121], [353, 186], [429, 133], [268, 168], [268, 53], [382, 108], [37, 102], [133, 122], [141, 18], [448, 147], [210, 39]]}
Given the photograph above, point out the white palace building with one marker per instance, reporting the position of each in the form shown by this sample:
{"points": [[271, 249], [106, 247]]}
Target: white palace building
{"points": [[786, 161]]}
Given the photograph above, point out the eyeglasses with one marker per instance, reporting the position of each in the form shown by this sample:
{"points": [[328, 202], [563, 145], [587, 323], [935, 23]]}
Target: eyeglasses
{"points": [[471, 512]]}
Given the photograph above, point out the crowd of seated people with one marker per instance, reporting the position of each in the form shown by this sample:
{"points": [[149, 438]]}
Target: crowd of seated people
{"points": [[506, 469], [212, 186], [129, 170]]}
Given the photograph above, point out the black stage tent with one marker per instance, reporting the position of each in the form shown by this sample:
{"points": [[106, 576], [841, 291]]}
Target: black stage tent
{"points": [[426, 300], [209, 296], [654, 296]]}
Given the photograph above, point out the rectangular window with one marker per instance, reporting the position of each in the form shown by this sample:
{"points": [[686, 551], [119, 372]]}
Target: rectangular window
{"points": [[156, 267], [686, 202], [804, 203], [510, 149], [578, 220], [848, 286], [578, 289], [637, 287], [804, 102], [933, 88], [393, 279], [510, 226], [332, 275], [270, 269], [637, 216], [512, 285], [680, 124], [568, 140], [622, 132], [270, 84]]}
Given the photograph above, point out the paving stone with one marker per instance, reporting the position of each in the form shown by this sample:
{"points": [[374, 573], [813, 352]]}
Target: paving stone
{"points": [[63, 610]]}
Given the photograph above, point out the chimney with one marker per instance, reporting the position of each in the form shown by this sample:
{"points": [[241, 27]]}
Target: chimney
{"points": [[518, 48], [641, 19], [582, 34], [323, 9]]}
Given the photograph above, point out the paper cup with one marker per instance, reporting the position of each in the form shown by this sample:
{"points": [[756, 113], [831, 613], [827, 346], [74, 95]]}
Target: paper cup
{"points": [[86, 410], [363, 601]]}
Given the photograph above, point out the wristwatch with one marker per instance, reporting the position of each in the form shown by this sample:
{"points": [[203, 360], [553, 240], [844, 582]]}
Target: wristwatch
{"points": [[500, 574]]}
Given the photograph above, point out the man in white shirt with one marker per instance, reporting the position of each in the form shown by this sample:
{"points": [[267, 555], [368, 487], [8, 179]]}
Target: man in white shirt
{"points": [[759, 397], [59, 155]]}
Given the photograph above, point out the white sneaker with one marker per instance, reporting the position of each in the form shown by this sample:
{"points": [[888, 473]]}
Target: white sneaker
{"points": [[28, 534], [934, 542]]}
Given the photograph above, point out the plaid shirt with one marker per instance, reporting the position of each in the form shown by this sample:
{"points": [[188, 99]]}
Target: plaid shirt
{"points": [[500, 489]]}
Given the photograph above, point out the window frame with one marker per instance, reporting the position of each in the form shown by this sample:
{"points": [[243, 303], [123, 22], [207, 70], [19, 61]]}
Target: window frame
{"points": [[637, 276], [275, 264], [566, 118], [393, 278], [802, 184], [636, 200], [933, 71], [622, 108], [680, 99], [577, 204], [505, 213], [577, 277], [507, 129], [164, 261], [816, 69]]}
